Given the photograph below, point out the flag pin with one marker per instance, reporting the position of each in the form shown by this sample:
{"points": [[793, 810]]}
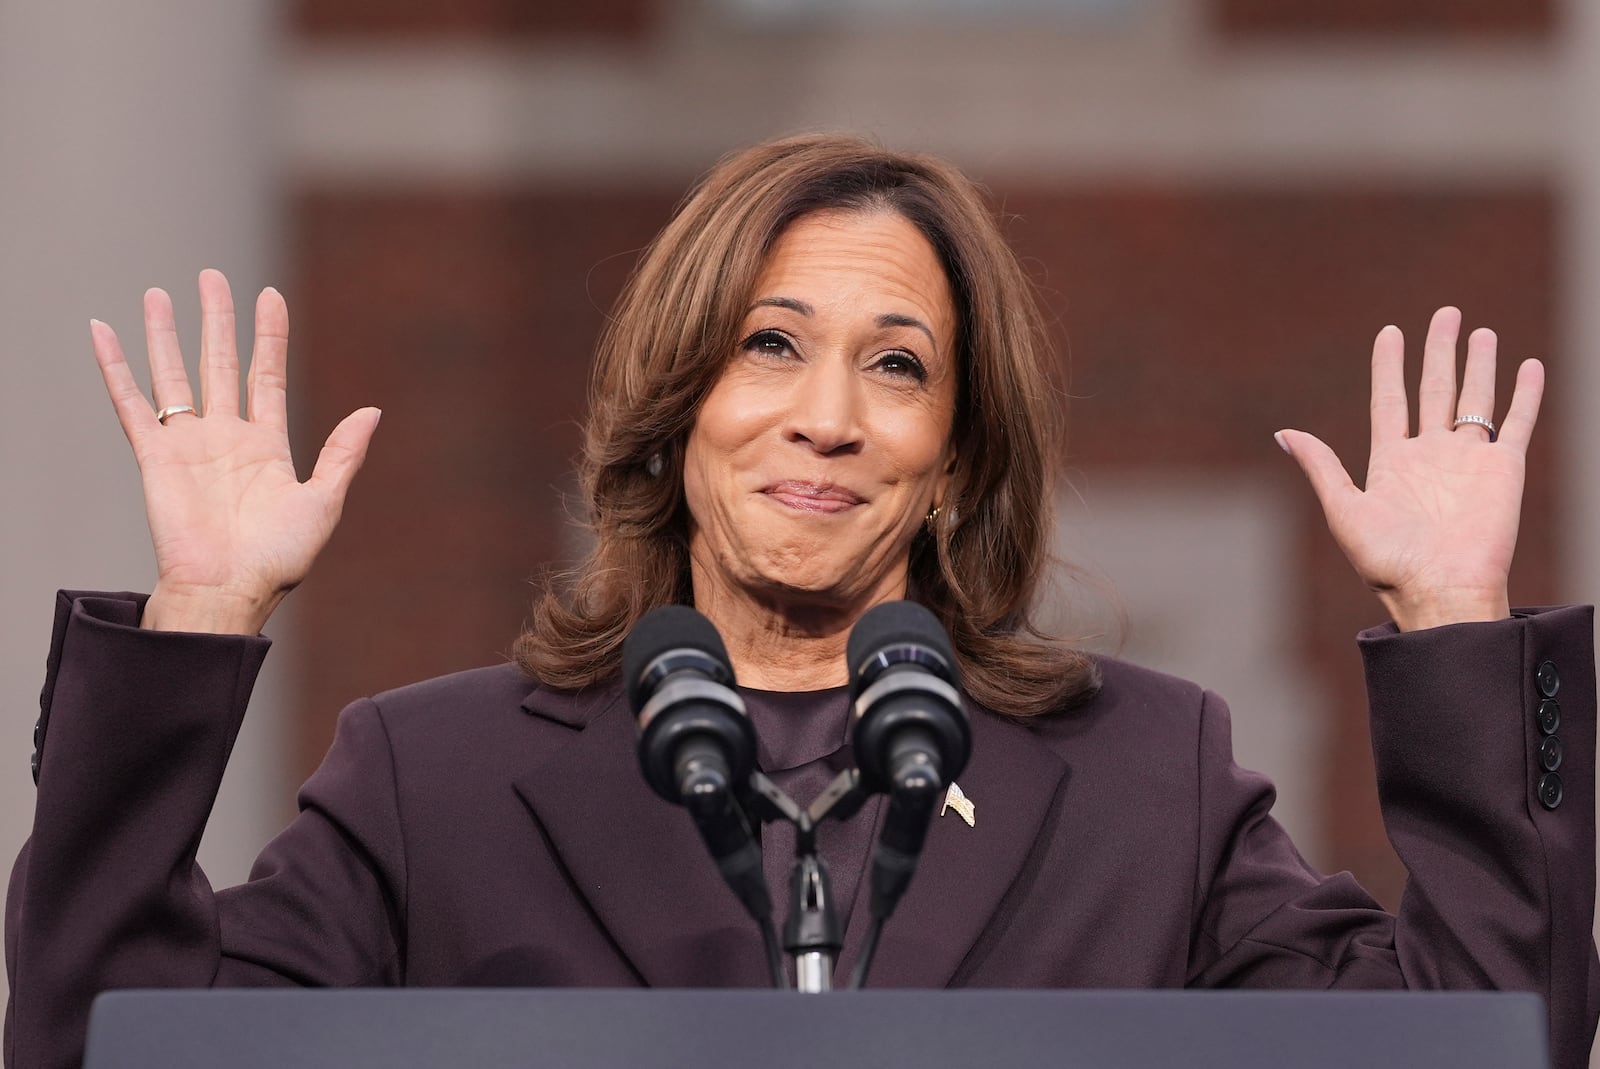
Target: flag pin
{"points": [[954, 799]]}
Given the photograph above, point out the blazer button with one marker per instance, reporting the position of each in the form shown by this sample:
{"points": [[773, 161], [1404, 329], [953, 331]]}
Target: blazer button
{"points": [[1550, 790], [1550, 753], [1549, 679], [1549, 716], [34, 766]]}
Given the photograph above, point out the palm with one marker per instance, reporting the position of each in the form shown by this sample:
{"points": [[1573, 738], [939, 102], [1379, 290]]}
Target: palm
{"points": [[1434, 530], [230, 521], [225, 508]]}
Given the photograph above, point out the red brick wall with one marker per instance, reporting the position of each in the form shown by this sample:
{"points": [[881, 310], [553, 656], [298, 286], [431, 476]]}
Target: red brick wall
{"points": [[1194, 325], [1415, 18], [1199, 323], [476, 18]]}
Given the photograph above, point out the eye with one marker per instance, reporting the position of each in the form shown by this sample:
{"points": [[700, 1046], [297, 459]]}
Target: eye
{"points": [[767, 343], [900, 363]]}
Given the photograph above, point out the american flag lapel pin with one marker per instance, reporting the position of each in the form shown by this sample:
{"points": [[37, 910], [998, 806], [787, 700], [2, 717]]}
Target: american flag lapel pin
{"points": [[954, 799]]}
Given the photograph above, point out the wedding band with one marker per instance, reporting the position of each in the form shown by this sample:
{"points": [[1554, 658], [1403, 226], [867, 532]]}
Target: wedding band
{"points": [[178, 410], [1480, 421]]}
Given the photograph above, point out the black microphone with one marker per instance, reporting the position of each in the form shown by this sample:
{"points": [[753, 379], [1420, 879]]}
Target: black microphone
{"points": [[911, 736], [696, 745]]}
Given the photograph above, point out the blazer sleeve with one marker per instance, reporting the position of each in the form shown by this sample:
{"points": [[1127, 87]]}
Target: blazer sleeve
{"points": [[135, 731], [1499, 846]]}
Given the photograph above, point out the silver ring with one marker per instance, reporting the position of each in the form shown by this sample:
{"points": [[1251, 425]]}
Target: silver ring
{"points": [[178, 410], [1479, 421]]}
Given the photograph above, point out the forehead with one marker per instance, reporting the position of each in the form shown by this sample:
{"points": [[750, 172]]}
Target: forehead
{"points": [[858, 255]]}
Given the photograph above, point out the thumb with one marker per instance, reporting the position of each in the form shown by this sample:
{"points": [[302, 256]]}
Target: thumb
{"points": [[344, 451], [1328, 479]]}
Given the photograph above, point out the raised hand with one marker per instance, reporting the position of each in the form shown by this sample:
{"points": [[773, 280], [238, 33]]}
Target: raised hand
{"points": [[234, 528], [1434, 530]]}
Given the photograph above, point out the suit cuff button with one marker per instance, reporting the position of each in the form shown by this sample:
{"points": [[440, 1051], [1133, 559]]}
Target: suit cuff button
{"points": [[1549, 790], [1550, 753], [1548, 678], [1549, 716]]}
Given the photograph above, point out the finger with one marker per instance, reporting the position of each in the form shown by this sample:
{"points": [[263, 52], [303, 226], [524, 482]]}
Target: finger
{"points": [[267, 401], [1391, 413], [169, 379], [1477, 381], [1436, 396], [133, 410], [344, 451], [1329, 481], [1524, 410], [219, 347]]}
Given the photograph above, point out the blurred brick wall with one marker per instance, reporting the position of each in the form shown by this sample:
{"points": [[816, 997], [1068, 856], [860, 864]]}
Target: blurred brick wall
{"points": [[1412, 18], [470, 321], [1197, 324], [617, 19]]}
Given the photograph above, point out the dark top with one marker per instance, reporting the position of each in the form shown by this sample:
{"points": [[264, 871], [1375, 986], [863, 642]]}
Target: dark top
{"points": [[802, 743], [483, 829]]}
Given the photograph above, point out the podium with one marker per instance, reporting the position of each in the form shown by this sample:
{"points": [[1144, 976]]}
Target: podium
{"points": [[645, 1029]]}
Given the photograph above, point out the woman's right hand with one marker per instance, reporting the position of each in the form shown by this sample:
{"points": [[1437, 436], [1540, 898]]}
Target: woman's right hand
{"points": [[234, 528]]}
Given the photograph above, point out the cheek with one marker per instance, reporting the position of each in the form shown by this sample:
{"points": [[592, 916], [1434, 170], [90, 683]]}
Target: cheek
{"points": [[707, 459], [924, 449]]}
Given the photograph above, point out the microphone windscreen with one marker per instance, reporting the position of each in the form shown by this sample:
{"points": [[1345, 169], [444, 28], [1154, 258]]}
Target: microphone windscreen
{"points": [[896, 623], [671, 627]]}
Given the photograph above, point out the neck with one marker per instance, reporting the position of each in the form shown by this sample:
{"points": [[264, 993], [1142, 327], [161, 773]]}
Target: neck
{"points": [[783, 645]]}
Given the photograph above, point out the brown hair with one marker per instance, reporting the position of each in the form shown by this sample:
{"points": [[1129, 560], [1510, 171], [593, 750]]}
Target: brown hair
{"points": [[669, 338]]}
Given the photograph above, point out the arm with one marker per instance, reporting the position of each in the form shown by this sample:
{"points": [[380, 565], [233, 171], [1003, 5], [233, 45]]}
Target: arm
{"points": [[138, 723], [1500, 887], [107, 893], [1501, 874]]}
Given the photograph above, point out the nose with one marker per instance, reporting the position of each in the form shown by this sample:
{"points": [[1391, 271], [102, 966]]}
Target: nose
{"points": [[824, 407]]}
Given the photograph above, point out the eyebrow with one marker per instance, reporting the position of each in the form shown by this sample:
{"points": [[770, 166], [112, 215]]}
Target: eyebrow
{"points": [[884, 321]]}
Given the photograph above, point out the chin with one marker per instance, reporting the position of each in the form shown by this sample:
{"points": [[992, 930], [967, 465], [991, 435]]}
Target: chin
{"points": [[810, 589]]}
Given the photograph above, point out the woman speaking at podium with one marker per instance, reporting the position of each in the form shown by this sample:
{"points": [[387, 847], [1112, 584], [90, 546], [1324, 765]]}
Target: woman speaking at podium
{"points": [[823, 388]]}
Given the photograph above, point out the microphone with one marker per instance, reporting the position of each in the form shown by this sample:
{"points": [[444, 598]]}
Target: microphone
{"points": [[696, 745], [911, 736]]}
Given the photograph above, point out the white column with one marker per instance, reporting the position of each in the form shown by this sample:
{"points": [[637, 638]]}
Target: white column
{"points": [[133, 151]]}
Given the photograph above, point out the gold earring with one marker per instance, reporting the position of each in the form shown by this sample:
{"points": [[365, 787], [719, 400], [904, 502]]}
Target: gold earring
{"points": [[931, 520]]}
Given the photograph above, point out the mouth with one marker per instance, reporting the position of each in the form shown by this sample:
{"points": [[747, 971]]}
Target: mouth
{"points": [[813, 497]]}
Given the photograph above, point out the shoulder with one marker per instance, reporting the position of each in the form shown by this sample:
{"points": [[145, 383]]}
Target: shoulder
{"points": [[1136, 710], [500, 685], [1131, 690], [476, 702]]}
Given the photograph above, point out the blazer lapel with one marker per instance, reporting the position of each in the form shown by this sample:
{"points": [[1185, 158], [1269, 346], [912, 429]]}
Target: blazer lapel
{"points": [[964, 873], [637, 859]]}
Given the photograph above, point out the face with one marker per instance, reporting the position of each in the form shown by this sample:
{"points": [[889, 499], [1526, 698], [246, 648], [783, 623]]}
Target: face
{"points": [[826, 441]]}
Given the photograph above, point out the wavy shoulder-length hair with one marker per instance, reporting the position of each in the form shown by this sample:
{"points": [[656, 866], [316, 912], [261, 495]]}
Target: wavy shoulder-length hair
{"points": [[979, 564]]}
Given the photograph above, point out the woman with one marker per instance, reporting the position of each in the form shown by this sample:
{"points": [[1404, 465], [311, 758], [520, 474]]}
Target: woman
{"points": [[823, 389]]}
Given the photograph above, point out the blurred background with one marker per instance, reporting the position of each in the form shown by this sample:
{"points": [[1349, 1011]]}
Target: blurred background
{"points": [[1222, 201]]}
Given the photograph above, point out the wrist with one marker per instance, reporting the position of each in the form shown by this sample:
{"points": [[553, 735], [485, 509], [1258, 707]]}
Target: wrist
{"points": [[216, 612], [1415, 613]]}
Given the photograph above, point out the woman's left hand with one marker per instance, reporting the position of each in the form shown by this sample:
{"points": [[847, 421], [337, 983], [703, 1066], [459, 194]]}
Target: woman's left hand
{"points": [[1434, 530]]}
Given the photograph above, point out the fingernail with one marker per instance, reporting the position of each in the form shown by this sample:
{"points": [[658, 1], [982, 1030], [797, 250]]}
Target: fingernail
{"points": [[1283, 443]]}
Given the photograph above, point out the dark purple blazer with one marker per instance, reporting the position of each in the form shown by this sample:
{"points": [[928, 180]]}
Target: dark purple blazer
{"points": [[481, 829]]}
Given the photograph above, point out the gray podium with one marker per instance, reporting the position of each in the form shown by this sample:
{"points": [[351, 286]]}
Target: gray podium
{"points": [[589, 1029]]}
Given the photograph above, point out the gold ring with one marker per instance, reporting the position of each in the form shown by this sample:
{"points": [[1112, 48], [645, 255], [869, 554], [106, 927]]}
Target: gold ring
{"points": [[175, 410]]}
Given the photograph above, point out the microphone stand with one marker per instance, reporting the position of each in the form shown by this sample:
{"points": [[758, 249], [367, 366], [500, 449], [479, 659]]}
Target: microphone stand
{"points": [[811, 935]]}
